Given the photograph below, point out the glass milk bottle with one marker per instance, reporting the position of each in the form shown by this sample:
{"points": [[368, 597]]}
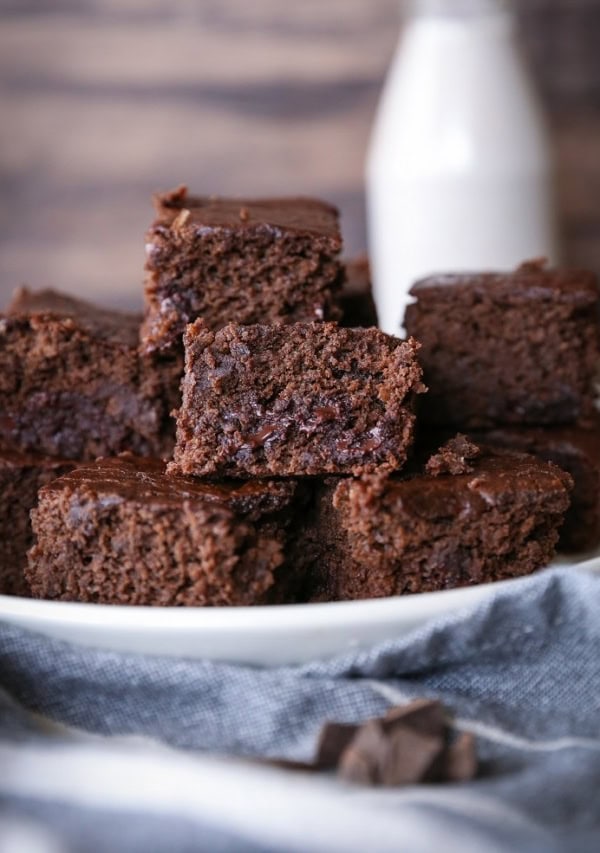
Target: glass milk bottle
{"points": [[459, 168]]}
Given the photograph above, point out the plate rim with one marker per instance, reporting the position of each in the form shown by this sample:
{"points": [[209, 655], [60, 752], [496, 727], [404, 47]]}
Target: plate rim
{"points": [[259, 618]]}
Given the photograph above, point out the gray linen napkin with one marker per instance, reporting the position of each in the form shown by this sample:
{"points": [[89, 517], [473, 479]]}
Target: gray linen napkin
{"points": [[103, 751]]}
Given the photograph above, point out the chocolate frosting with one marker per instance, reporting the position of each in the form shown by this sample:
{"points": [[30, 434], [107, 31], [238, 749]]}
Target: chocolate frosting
{"points": [[299, 214], [131, 478], [497, 475]]}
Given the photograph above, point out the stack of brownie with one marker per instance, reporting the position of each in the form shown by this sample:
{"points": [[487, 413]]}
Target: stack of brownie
{"points": [[252, 438], [512, 360]]}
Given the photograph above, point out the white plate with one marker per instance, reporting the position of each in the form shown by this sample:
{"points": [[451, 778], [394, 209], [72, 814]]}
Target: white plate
{"points": [[265, 636]]}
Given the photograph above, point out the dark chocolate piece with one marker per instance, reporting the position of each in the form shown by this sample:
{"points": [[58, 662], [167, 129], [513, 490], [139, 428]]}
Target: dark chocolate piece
{"points": [[460, 759], [311, 398], [119, 531], [333, 740], [71, 382], [507, 348], [242, 261], [381, 536], [21, 475], [454, 457], [410, 744]]}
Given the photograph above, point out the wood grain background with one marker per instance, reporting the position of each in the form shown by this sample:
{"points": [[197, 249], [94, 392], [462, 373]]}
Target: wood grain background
{"points": [[105, 101]]}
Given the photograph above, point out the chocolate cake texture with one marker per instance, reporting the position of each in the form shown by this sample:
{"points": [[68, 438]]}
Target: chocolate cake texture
{"points": [[507, 348], [234, 260], [119, 531], [576, 450], [21, 475], [378, 536], [304, 399], [71, 381]]}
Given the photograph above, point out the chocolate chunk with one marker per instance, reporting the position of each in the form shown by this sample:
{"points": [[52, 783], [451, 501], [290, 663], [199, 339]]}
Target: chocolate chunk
{"points": [[333, 740], [460, 763], [409, 757], [452, 457], [410, 744], [423, 715], [363, 759]]}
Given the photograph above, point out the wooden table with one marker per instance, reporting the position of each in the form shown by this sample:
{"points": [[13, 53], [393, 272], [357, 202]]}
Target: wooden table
{"points": [[105, 101]]}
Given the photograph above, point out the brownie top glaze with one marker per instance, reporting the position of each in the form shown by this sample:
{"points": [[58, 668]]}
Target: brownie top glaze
{"points": [[143, 481], [299, 215], [115, 326], [531, 280], [496, 478]]}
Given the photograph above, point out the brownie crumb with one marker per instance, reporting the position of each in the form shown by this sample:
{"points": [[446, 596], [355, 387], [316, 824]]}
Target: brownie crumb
{"points": [[453, 457]]}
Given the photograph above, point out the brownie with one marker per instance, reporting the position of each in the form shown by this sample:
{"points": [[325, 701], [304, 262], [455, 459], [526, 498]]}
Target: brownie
{"points": [[379, 536], [507, 348], [576, 450], [119, 531], [21, 475], [309, 398], [72, 383], [242, 261], [358, 307]]}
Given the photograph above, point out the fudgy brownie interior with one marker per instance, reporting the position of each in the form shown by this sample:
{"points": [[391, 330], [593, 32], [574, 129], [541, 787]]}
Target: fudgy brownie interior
{"points": [[301, 399]]}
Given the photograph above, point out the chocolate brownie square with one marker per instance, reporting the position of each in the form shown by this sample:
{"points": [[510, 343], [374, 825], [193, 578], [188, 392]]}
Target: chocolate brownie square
{"points": [[381, 536], [21, 475], [242, 261], [119, 531], [309, 398], [72, 383], [576, 450], [358, 306], [507, 348]]}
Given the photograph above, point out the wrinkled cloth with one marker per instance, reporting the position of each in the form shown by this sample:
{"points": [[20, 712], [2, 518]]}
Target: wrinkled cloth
{"points": [[103, 751]]}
